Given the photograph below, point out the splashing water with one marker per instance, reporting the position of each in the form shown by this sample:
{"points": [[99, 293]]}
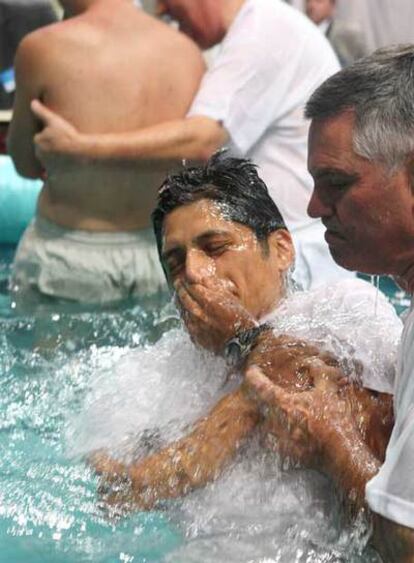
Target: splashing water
{"points": [[74, 383], [375, 281], [255, 511]]}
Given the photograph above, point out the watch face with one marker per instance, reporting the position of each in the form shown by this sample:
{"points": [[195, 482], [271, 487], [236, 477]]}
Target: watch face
{"points": [[240, 346]]}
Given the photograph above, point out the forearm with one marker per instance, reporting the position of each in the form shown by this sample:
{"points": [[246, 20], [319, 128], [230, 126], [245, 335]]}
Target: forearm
{"points": [[350, 464], [395, 543], [170, 142], [20, 144], [24, 159], [196, 459]]}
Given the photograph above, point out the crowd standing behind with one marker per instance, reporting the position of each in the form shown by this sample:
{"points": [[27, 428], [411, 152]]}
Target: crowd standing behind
{"points": [[17, 19]]}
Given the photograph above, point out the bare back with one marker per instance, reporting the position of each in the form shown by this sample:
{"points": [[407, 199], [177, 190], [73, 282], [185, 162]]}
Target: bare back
{"points": [[112, 69]]}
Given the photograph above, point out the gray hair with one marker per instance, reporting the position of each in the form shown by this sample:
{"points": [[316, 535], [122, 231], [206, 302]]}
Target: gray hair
{"points": [[379, 89]]}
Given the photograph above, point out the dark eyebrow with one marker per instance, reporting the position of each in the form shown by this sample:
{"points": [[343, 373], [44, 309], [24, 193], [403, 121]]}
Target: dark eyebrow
{"points": [[321, 173], [210, 234]]}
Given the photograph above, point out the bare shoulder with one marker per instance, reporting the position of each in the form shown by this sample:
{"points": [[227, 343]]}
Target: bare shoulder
{"points": [[29, 63], [174, 41], [40, 53], [39, 45]]}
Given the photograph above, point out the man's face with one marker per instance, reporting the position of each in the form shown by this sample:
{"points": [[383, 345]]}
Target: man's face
{"points": [[199, 244], [199, 19], [367, 211], [319, 10]]}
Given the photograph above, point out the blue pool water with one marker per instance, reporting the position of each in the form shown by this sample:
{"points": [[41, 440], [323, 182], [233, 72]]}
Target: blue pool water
{"points": [[48, 506], [49, 509]]}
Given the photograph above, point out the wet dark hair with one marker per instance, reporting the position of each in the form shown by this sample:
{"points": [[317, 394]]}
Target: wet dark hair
{"points": [[231, 182]]}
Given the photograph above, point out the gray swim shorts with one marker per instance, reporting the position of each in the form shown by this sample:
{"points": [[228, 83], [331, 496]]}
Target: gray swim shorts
{"points": [[86, 267]]}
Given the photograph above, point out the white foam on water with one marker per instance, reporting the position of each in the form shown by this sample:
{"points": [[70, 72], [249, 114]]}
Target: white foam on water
{"points": [[255, 511], [152, 392]]}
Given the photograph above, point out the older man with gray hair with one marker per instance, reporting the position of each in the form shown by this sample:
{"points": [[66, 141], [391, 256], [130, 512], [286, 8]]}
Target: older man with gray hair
{"points": [[361, 156]]}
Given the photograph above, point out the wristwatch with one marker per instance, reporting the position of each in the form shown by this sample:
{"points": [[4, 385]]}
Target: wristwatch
{"points": [[240, 346]]}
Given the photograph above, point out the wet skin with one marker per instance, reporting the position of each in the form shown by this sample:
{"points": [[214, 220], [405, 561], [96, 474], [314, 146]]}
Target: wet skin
{"points": [[201, 245], [225, 281]]}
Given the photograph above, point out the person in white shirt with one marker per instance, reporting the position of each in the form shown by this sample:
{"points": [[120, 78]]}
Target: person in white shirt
{"points": [[252, 99], [361, 155], [347, 41]]}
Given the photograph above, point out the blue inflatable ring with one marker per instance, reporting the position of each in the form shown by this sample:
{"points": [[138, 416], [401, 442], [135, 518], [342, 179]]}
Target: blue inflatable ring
{"points": [[18, 197]]}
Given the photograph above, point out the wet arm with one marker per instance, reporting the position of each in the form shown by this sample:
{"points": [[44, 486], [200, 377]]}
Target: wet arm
{"points": [[348, 460], [320, 427], [395, 543], [24, 126], [190, 462], [351, 466]]}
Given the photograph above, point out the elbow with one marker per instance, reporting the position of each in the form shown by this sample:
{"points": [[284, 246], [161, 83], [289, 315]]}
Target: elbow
{"points": [[27, 171], [204, 148], [25, 167], [207, 136], [204, 152]]}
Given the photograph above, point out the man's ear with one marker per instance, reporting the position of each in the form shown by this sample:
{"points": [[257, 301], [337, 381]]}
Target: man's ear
{"points": [[281, 248]]}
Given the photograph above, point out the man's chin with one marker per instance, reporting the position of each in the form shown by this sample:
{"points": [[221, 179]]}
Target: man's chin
{"points": [[345, 259], [355, 262]]}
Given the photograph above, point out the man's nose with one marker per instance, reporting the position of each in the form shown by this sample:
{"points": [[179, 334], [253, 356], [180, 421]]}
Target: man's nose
{"points": [[317, 207], [198, 266]]}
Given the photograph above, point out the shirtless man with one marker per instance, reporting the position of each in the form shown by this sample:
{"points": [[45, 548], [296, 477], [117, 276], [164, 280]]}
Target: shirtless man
{"points": [[108, 67], [225, 250]]}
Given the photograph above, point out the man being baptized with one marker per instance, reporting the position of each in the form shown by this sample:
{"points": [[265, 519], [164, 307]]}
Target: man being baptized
{"points": [[226, 252]]}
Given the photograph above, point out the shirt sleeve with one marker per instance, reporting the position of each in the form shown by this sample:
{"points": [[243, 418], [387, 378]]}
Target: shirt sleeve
{"points": [[352, 320], [391, 492]]}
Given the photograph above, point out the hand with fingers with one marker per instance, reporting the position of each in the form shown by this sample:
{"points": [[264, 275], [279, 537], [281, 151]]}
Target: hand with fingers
{"points": [[122, 487], [303, 423], [288, 361], [57, 136], [211, 313]]}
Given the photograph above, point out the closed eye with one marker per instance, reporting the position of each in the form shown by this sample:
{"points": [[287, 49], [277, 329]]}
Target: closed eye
{"points": [[335, 180], [340, 184], [215, 249]]}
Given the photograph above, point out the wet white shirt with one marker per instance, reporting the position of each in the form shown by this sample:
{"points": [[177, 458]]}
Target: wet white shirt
{"points": [[270, 61], [352, 320], [391, 492]]}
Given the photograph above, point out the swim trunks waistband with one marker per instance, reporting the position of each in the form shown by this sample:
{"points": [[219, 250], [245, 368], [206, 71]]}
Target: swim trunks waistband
{"points": [[48, 229]]}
